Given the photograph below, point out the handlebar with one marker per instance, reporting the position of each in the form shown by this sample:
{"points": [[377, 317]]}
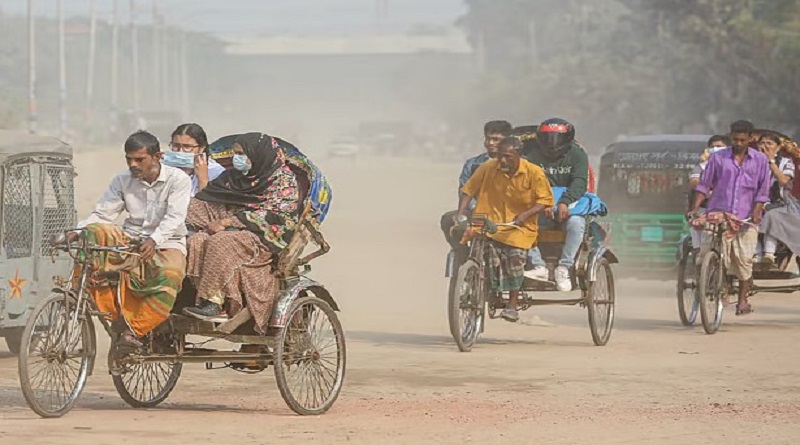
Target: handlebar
{"points": [[722, 225], [490, 226], [60, 241]]}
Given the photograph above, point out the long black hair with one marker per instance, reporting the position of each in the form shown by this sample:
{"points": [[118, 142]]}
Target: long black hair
{"points": [[195, 132]]}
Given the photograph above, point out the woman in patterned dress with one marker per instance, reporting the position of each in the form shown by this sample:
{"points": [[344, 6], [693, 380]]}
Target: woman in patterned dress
{"points": [[242, 220]]}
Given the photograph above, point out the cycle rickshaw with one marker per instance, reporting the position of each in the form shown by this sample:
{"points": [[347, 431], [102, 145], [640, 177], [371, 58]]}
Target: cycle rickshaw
{"points": [[305, 343], [471, 297], [706, 293]]}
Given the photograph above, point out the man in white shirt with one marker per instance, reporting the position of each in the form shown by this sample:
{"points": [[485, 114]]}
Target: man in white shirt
{"points": [[156, 198]]}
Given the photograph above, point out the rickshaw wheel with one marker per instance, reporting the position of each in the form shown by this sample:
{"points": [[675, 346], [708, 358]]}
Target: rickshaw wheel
{"points": [[53, 368], [310, 357], [143, 385], [711, 292], [465, 306], [600, 303], [688, 301], [13, 338]]}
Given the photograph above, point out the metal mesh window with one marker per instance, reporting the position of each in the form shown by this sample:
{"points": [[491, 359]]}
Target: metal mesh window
{"points": [[58, 202], [18, 212]]}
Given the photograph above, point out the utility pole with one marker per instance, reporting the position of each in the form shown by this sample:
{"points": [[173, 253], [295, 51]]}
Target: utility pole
{"points": [[91, 67], [62, 72], [156, 53], [164, 71], [31, 69], [135, 59], [115, 72], [184, 70], [533, 42], [381, 12]]}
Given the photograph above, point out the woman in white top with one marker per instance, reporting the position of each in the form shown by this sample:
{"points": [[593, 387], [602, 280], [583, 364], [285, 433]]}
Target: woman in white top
{"points": [[189, 148], [781, 224]]}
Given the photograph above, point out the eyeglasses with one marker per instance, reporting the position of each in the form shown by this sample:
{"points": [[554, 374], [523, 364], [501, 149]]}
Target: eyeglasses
{"points": [[183, 147]]}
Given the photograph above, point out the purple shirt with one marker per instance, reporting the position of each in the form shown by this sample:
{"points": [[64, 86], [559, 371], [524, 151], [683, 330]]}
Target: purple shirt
{"points": [[736, 189]]}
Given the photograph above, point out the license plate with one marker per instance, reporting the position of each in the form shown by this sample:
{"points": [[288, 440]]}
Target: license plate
{"points": [[652, 234]]}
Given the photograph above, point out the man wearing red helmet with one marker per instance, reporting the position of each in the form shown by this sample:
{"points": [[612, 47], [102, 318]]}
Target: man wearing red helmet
{"points": [[566, 165]]}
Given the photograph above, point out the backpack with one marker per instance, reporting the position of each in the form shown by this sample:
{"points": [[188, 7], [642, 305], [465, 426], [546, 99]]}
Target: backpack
{"points": [[589, 204]]}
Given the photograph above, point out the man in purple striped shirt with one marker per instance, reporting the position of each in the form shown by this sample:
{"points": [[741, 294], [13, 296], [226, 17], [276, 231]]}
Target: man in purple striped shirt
{"points": [[738, 180]]}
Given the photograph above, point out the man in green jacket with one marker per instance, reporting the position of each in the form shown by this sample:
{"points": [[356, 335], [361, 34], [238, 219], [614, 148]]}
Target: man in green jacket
{"points": [[566, 164]]}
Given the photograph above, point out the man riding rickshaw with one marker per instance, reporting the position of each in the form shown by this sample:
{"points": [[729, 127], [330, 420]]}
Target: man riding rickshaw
{"points": [[749, 229], [504, 242], [249, 227]]}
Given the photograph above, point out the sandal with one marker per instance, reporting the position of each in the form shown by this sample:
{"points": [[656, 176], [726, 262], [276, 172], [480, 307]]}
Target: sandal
{"points": [[744, 309]]}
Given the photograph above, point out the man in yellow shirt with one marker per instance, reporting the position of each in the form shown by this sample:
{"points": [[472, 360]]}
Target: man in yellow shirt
{"points": [[509, 189]]}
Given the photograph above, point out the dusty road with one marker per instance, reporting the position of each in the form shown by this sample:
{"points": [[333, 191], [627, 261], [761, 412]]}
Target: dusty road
{"points": [[540, 381]]}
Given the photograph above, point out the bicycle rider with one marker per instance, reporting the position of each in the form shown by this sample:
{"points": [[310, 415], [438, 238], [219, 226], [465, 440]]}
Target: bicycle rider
{"points": [[509, 189], [738, 182]]}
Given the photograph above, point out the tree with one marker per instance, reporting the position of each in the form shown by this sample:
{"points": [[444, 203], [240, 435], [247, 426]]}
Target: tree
{"points": [[635, 66]]}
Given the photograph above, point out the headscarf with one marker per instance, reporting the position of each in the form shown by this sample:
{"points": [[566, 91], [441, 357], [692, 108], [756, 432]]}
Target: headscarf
{"points": [[222, 147], [236, 188]]}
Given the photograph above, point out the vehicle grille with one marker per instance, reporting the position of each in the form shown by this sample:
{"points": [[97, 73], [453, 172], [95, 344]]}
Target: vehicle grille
{"points": [[17, 211], [58, 202]]}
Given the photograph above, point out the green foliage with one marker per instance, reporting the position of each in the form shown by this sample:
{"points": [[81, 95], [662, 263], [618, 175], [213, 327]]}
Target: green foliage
{"points": [[632, 66]]}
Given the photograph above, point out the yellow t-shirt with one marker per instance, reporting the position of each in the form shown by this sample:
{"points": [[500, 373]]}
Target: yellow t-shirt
{"points": [[502, 197]]}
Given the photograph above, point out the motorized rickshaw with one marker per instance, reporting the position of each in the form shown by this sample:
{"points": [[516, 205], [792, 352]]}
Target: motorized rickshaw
{"points": [[304, 342], [36, 174], [645, 180]]}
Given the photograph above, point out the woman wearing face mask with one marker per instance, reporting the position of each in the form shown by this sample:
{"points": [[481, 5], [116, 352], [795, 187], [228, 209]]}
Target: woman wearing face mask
{"points": [[189, 153], [782, 224], [782, 168], [715, 143], [221, 150], [243, 219]]}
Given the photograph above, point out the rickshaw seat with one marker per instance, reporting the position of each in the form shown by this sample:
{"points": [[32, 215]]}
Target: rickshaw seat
{"points": [[552, 236]]}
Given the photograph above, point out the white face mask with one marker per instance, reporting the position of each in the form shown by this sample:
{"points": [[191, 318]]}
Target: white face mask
{"points": [[241, 163], [713, 150]]}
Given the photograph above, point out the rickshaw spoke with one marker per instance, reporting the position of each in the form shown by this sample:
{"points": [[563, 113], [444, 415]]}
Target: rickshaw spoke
{"points": [[43, 376], [146, 384], [46, 380], [321, 374], [330, 373], [38, 368]]}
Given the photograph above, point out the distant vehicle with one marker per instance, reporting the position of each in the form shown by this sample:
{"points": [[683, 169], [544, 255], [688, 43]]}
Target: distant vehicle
{"points": [[644, 181], [37, 202], [343, 148], [389, 138]]}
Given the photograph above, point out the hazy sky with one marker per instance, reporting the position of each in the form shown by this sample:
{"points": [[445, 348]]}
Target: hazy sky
{"points": [[254, 17]]}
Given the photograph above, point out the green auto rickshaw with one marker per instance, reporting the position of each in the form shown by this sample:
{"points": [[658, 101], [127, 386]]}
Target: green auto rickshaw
{"points": [[644, 180]]}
